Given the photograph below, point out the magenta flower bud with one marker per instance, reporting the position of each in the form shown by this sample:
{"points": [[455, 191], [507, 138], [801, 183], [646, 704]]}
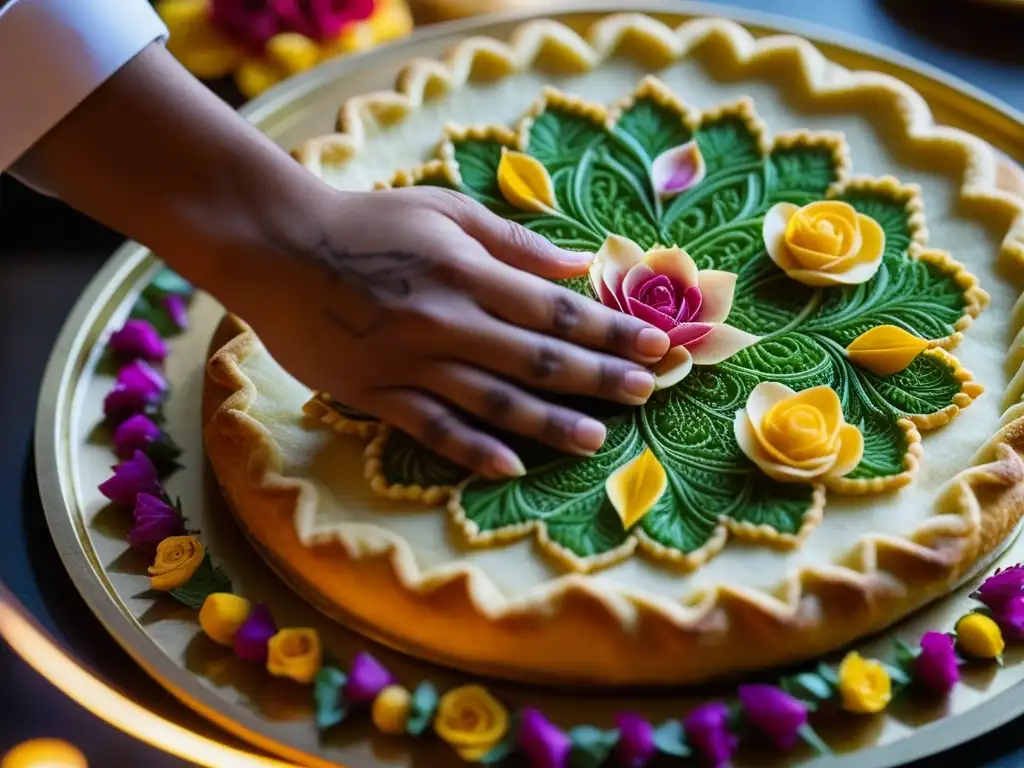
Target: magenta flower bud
{"points": [[132, 477], [138, 386], [138, 339], [544, 743], [1001, 587], [254, 634], [636, 740], [366, 679], [177, 310], [134, 434], [251, 24], [155, 520], [936, 667], [321, 19], [1010, 618], [707, 730], [774, 712]]}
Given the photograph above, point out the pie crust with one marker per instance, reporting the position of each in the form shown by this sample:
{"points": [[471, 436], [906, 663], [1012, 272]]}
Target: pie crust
{"points": [[577, 627]]}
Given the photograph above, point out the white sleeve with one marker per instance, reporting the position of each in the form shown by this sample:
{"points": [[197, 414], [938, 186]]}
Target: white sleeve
{"points": [[54, 53]]}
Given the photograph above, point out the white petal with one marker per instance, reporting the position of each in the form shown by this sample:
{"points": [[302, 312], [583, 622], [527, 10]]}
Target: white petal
{"points": [[616, 257], [723, 342], [774, 233], [673, 368], [855, 276], [717, 289], [675, 263]]}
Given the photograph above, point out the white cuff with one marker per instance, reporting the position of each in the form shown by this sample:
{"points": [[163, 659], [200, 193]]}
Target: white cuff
{"points": [[54, 53]]}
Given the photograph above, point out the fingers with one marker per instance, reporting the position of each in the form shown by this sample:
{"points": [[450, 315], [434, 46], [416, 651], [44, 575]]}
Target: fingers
{"points": [[511, 409], [530, 302], [513, 243], [542, 362], [440, 429]]}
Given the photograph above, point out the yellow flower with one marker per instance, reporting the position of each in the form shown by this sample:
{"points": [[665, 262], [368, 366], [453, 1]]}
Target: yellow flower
{"points": [[177, 558], [797, 437], [471, 720], [221, 616], [295, 653], [391, 709], [979, 636], [525, 182], [863, 684], [824, 243], [885, 349]]}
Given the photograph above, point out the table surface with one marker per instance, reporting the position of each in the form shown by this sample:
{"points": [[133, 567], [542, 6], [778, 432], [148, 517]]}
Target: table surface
{"points": [[47, 255]]}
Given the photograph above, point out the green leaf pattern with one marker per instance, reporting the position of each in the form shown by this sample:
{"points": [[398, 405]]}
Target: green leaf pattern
{"points": [[603, 186]]}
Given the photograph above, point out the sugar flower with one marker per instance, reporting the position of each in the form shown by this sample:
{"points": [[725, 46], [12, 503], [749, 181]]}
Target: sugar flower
{"points": [[774, 712], [132, 477], [253, 635], [155, 520], [138, 386], [544, 743], [708, 731], [134, 434], [636, 740], [366, 679], [936, 666]]}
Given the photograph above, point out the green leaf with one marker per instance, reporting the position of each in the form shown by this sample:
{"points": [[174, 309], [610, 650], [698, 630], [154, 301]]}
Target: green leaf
{"points": [[151, 310], [591, 746], [897, 675], [727, 142], [206, 581], [670, 739], [811, 738], [328, 688], [809, 686], [478, 166], [559, 138], [421, 712], [804, 173], [827, 673], [651, 128], [406, 461], [906, 656], [167, 282], [506, 747], [164, 452]]}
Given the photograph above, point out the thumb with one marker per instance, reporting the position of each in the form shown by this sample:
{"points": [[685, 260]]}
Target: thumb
{"points": [[518, 247]]}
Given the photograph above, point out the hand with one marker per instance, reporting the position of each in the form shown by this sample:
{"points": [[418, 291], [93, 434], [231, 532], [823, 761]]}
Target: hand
{"points": [[415, 304]]}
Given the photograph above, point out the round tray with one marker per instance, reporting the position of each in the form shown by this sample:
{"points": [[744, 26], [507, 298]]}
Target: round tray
{"points": [[275, 715]]}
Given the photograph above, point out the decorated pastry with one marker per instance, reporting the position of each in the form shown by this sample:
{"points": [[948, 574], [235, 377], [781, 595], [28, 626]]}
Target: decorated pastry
{"points": [[810, 468]]}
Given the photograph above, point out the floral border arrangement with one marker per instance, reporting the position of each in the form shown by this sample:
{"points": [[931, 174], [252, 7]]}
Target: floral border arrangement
{"points": [[474, 723]]}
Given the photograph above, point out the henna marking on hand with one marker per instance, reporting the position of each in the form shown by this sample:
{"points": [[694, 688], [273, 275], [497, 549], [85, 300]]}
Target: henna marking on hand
{"points": [[436, 429], [545, 364], [498, 403], [557, 429], [566, 316], [617, 331]]}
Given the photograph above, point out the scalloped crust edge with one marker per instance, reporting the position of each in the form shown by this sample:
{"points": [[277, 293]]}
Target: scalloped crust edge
{"points": [[456, 614], [459, 615]]}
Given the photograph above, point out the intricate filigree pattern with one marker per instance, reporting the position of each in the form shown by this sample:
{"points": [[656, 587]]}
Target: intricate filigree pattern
{"points": [[600, 162]]}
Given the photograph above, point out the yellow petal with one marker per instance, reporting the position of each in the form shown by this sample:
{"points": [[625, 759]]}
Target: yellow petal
{"points": [[851, 451], [255, 76], [293, 52], [673, 263], [885, 349], [825, 400], [872, 244], [635, 488], [525, 182]]}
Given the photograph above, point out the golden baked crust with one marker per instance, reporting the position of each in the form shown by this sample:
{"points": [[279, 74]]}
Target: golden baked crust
{"points": [[456, 615]]}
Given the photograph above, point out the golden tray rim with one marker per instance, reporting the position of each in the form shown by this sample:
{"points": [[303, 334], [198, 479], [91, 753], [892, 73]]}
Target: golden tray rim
{"points": [[986, 116]]}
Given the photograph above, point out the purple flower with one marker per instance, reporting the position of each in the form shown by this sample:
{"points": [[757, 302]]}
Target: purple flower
{"points": [[1001, 587], [321, 19], [138, 386], [254, 634], [936, 668], [707, 729], [138, 338], [366, 679], [177, 309], [636, 740], [1010, 618], [251, 23], [774, 712], [155, 520], [134, 434], [132, 477], [544, 743]]}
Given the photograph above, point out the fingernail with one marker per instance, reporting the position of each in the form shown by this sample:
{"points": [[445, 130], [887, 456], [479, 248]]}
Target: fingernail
{"points": [[577, 257], [507, 464], [651, 342], [637, 386], [589, 435]]}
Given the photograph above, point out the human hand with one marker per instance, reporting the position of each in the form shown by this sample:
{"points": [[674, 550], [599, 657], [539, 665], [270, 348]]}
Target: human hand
{"points": [[416, 304]]}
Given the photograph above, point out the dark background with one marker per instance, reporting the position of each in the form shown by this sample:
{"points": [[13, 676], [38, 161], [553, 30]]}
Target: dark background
{"points": [[48, 254]]}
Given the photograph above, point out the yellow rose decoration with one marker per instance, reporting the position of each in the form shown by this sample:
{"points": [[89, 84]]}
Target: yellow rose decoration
{"points": [[471, 720], [177, 559], [824, 243], [864, 685], [885, 349], [797, 437], [221, 616], [295, 653], [391, 709], [979, 636]]}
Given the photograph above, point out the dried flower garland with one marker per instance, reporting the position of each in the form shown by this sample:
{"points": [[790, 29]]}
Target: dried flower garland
{"points": [[469, 718]]}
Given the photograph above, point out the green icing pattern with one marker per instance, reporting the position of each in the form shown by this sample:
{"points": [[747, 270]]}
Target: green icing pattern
{"points": [[603, 186]]}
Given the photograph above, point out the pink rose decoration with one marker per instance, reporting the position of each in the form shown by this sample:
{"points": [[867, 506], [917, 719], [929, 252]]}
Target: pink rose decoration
{"points": [[664, 288]]}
